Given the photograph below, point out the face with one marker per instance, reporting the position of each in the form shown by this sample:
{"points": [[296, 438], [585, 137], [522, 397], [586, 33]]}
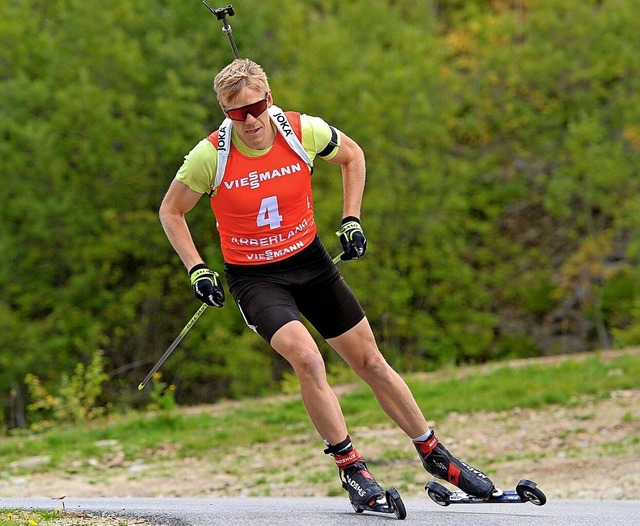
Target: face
{"points": [[255, 131]]}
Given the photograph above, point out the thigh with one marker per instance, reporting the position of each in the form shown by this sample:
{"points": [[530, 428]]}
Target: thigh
{"points": [[265, 305], [358, 346], [330, 306]]}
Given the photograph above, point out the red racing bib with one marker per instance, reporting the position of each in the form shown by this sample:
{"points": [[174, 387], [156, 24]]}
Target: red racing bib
{"points": [[263, 205]]}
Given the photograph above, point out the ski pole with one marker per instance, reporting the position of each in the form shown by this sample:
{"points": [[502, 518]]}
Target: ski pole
{"points": [[171, 348], [221, 14]]}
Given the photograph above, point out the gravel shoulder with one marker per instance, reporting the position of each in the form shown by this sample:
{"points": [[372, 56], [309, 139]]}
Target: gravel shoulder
{"points": [[591, 451]]}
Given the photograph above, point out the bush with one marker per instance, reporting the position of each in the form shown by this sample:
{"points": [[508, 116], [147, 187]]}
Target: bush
{"points": [[75, 397]]}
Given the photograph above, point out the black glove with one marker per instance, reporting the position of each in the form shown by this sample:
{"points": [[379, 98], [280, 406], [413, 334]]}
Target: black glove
{"points": [[354, 244], [206, 285]]}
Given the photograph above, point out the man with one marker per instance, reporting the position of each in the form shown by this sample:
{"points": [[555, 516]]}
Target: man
{"points": [[256, 171]]}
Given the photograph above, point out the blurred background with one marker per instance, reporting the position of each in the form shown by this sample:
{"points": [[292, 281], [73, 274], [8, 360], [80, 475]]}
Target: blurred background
{"points": [[502, 206]]}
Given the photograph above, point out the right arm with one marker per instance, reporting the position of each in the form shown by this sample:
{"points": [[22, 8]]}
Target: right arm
{"points": [[178, 201]]}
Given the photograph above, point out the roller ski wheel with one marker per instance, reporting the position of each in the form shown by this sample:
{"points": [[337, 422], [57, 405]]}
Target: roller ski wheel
{"points": [[438, 493], [529, 491], [390, 502], [526, 491]]}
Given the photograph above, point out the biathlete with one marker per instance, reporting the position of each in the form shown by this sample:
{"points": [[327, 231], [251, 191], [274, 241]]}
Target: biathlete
{"points": [[256, 171]]}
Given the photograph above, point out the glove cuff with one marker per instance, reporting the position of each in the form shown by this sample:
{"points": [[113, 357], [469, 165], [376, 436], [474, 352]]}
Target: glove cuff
{"points": [[199, 266], [348, 219]]}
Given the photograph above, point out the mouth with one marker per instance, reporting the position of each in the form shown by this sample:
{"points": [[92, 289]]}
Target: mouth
{"points": [[252, 131]]}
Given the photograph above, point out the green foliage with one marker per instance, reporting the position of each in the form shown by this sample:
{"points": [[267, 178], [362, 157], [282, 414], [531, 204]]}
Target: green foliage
{"points": [[75, 398], [502, 204], [162, 394]]}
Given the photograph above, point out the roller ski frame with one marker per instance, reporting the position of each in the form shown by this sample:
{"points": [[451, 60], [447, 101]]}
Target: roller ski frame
{"points": [[391, 502], [526, 491]]}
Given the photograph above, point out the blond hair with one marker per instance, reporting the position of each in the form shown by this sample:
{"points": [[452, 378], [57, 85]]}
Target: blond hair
{"points": [[241, 73]]}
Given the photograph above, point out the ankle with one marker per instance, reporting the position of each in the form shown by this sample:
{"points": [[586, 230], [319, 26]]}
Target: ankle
{"points": [[348, 459], [425, 447], [424, 437], [343, 452]]}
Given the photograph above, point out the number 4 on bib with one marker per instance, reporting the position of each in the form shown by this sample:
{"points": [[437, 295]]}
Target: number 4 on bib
{"points": [[269, 215]]}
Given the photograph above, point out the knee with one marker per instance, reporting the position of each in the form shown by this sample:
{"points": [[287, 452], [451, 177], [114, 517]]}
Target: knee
{"points": [[297, 346], [372, 365], [308, 364]]}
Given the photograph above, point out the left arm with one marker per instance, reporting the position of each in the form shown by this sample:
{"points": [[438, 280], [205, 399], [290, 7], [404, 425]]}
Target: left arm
{"points": [[350, 157]]}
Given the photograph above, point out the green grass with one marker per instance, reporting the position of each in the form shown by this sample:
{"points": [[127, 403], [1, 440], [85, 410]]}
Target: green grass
{"points": [[504, 388], [149, 436], [12, 517], [15, 517]]}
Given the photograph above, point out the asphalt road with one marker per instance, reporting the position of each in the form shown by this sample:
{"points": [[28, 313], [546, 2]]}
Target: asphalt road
{"points": [[338, 511]]}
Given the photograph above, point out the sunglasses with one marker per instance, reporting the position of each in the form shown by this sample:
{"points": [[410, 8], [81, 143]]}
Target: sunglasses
{"points": [[255, 110]]}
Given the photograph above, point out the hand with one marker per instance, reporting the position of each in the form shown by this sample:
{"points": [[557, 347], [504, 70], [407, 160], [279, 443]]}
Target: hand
{"points": [[206, 285], [354, 244]]}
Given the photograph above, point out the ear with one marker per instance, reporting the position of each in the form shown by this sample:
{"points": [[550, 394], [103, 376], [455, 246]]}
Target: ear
{"points": [[269, 99]]}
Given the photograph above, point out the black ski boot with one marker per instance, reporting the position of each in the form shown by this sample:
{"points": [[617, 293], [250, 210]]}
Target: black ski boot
{"points": [[441, 464], [362, 488], [360, 484]]}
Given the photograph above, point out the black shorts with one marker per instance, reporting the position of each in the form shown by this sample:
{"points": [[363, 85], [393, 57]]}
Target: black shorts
{"points": [[309, 283]]}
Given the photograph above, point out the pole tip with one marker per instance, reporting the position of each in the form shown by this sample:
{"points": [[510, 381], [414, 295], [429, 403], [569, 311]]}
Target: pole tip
{"points": [[141, 387]]}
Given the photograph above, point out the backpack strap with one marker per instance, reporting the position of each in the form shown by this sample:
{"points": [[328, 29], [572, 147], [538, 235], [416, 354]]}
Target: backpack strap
{"points": [[284, 127], [224, 147]]}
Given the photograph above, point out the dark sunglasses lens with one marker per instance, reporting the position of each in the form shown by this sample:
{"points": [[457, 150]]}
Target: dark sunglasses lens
{"points": [[256, 109]]}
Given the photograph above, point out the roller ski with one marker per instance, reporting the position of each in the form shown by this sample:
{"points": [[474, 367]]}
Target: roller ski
{"points": [[365, 494], [437, 460], [526, 491], [475, 486]]}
